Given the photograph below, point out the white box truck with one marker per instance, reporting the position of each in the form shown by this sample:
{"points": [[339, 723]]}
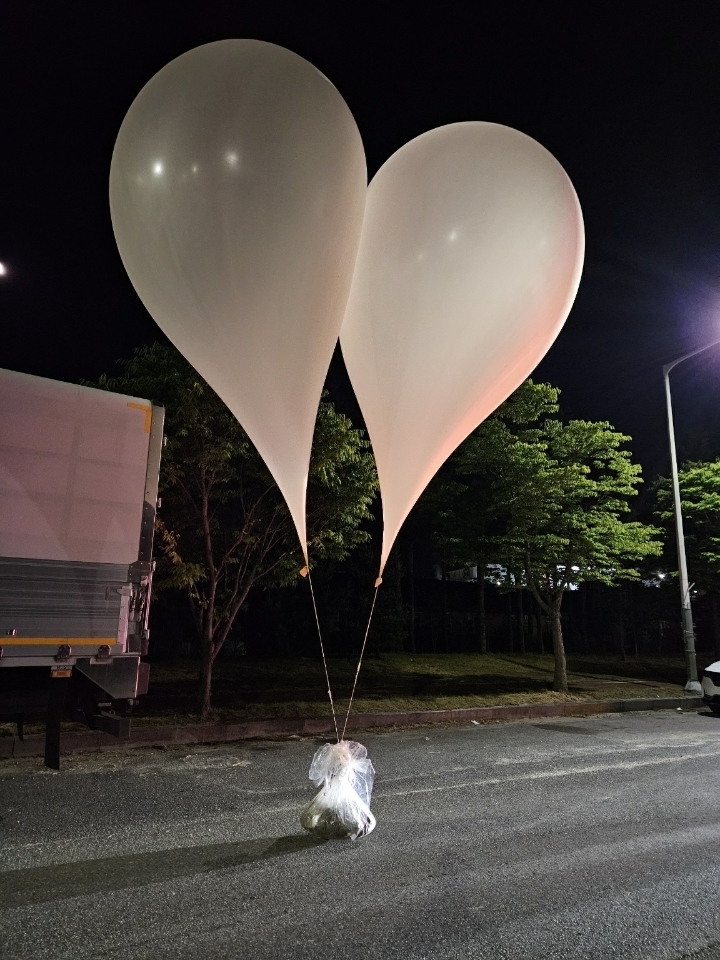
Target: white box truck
{"points": [[78, 494]]}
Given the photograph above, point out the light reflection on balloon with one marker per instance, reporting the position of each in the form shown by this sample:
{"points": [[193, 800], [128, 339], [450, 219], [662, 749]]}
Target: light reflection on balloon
{"points": [[469, 261], [248, 276]]}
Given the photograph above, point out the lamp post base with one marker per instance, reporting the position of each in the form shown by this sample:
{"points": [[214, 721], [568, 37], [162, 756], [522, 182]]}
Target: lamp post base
{"points": [[692, 686]]}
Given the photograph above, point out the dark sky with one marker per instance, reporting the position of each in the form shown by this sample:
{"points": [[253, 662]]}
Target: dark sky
{"points": [[627, 100]]}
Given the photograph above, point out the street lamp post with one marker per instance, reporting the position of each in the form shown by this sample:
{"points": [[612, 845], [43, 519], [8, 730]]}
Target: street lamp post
{"points": [[692, 685]]}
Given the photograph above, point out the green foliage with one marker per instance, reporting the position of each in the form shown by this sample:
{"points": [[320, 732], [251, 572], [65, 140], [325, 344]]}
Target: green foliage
{"points": [[568, 520], [471, 498], [224, 527], [545, 500], [700, 498], [342, 485]]}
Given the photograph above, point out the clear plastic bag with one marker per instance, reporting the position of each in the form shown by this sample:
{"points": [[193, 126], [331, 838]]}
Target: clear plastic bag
{"points": [[342, 807]]}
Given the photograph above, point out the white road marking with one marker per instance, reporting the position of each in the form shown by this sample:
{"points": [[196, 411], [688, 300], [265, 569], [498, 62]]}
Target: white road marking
{"points": [[549, 774], [543, 756]]}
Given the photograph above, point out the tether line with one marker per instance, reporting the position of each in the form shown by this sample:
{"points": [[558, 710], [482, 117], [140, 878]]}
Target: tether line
{"points": [[362, 651], [322, 650]]}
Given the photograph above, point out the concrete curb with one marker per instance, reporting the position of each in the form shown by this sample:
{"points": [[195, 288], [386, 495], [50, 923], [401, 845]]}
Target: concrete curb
{"points": [[34, 745]]}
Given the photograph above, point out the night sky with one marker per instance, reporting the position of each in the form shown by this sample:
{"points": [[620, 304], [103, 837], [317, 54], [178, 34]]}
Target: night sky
{"points": [[629, 103]]}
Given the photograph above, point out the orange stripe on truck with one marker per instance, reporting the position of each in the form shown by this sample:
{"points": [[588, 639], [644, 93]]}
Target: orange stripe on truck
{"points": [[55, 641], [148, 413]]}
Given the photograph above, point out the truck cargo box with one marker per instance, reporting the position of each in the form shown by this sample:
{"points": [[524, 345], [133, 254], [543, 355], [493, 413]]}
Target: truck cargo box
{"points": [[78, 494]]}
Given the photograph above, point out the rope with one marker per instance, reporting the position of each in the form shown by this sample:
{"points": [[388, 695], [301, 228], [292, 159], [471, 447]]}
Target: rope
{"points": [[322, 650], [362, 651]]}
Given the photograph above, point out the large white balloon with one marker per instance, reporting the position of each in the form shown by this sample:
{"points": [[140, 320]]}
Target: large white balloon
{"points": [[237, 191], [469, 261]]}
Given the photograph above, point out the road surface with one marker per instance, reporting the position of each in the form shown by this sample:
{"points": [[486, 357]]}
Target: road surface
{"points": [[588, 838]]}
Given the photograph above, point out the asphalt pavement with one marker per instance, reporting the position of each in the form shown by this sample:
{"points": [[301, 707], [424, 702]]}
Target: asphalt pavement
{"points": [[580, 838]]}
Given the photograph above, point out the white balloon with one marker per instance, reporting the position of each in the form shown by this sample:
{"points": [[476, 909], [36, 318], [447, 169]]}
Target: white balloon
{"points": [[470, 258], [237, 191]]}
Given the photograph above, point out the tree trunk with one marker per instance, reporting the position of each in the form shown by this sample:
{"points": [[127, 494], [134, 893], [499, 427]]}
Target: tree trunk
{"points": [[205, 688], [481, 619], [521, 622], [560, 678]]}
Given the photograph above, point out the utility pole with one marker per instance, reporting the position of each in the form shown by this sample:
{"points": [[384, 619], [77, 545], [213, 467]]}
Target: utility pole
{"points": [[692, 685]]}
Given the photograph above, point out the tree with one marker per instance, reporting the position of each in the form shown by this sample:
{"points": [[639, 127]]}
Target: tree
{"points": [[224, 527], [468, 500], [566, 523], [546, 501], [700, 498]]}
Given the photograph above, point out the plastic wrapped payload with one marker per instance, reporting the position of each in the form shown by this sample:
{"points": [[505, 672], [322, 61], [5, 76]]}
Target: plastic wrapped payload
{"points": [[342, 807]]}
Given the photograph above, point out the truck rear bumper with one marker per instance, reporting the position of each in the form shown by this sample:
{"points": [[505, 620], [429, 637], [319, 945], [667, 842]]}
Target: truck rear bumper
{"points": [[122, 677]]}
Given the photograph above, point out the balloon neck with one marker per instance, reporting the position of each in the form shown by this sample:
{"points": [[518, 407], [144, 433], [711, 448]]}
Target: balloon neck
{"points": [[378, 582]]}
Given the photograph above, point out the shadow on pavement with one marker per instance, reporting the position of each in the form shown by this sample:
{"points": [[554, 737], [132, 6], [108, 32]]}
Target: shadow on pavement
{"points": [[88, 877], [566, 728]]}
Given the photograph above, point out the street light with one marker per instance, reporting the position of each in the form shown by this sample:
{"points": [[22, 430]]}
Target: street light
{"points": [[692, 685]]}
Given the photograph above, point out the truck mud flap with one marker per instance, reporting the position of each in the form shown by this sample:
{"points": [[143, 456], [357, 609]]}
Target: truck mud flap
{"points": [[118, 677]]}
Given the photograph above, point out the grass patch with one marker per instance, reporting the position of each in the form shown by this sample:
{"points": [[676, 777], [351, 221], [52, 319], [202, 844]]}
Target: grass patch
{"points": [[257, 690], [246, 690]]}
